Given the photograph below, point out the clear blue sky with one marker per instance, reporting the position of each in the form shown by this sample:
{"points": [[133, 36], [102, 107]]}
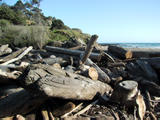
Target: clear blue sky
{"points": [[112, 20]]}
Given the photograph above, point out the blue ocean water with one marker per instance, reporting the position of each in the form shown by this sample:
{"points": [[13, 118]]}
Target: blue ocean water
{"points": [[138, 45]]}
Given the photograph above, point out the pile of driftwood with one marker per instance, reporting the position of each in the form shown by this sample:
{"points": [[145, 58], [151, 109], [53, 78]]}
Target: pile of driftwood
{"points": [[83, 82]]}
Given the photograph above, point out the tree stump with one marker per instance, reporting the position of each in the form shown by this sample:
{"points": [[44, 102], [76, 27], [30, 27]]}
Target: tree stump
{"points": [[124, 92]]}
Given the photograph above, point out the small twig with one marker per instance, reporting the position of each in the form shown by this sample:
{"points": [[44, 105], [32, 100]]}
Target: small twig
{"points": [[108, 56], [149, 104], [86, 108], [65, 115], [135, 110]]}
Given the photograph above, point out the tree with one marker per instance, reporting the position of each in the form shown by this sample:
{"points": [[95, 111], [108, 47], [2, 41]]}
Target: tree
{"points": [[6, 13], [19, 6], [57, 24]]}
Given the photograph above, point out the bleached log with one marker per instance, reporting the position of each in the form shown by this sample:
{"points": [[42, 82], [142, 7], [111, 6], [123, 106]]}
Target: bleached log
{"points": [[19, 57], [12, 55]]}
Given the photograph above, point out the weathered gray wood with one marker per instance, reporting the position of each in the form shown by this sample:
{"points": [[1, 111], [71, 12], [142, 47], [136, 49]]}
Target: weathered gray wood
{"points": [[119, 52], [102, 76], [4, 49], [19, 101], [52, 82], [125, 92], [89, 48], [77, 53], [13, 55], [51, 61]]}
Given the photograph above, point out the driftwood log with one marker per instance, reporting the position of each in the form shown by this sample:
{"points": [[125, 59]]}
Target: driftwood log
{"points": [[120, 52], [48, 81], [18, 101], [94, 56], [102, 76], [147, 53], [13, 55]]}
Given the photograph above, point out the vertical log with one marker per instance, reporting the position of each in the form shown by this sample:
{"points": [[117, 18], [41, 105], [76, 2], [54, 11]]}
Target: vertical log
{"points": [[89, 48]]}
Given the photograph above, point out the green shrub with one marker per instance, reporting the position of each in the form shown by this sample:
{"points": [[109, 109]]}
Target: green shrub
{"points": [[36, 36], [3, 24]]}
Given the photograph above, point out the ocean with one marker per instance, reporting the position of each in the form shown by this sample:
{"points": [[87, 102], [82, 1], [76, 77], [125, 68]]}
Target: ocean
{"points": [[135, 45]]}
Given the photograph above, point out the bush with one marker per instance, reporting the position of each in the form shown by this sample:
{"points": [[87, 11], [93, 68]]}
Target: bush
{"points": [[36, 36], [3, 24]]}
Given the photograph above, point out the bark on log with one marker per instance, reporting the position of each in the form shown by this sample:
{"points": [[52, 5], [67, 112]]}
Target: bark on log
{"points": [[94, 56], [51, 82], [19, 102], [125, 92], [120, 52], [89, 48]]}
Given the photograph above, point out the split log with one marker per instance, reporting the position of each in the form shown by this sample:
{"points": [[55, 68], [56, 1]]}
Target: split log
{"points": [[120, 52], [141, 106], [125, 92], [4, 49], [102, 76], [19, 102], [94, 56], [48, 81], [89, 48]]}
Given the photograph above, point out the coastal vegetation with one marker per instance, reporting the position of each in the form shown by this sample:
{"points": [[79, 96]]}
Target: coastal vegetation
{"points": [[24, 24]]}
